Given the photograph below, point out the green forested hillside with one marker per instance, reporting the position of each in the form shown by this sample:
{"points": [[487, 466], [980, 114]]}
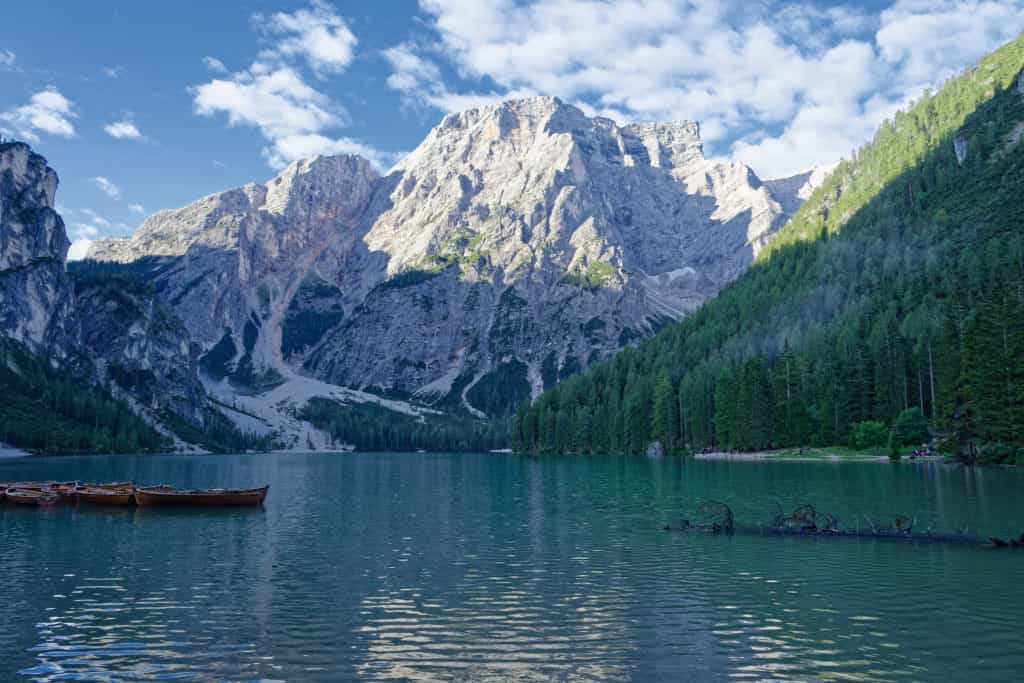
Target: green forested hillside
{"points": [[45, 411], [898, 287]]}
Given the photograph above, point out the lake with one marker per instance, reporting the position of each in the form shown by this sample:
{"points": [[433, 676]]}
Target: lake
{"points": [[506, 568]]}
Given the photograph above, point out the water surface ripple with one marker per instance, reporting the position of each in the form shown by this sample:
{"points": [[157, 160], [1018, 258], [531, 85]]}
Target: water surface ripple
{"points": [[504, 568]]}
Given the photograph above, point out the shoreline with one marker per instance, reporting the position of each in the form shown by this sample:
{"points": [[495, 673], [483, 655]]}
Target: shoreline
{"points": [[780, 456]]}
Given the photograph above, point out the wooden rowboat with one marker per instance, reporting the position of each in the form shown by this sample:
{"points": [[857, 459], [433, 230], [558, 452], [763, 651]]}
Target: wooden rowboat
{"points": [[30, 497], [154, 496], [106, 496]]}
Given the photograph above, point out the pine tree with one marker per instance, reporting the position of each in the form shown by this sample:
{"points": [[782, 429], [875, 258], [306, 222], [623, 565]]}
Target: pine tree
{"points": [[664, 418]]}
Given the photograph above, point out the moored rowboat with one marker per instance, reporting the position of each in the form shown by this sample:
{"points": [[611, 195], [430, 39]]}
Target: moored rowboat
{"points": [[154, 496], [30, 497], [106, 496]]}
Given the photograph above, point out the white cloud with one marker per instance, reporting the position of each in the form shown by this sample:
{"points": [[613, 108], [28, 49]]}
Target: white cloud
{"points": [[137, 208], [106, 186], [123, 130], [277, 102], [83, 231], [113, 71], [94, 218], [922, 38], [780, 85], [79, 248], [215, 65], [82, 235], [7, 58], [420, 82], [47, 112], [292, 147], [273, 95], [317, 34]]}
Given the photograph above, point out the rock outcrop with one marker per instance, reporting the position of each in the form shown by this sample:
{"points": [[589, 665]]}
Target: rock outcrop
{"points": [[793, 191], [960, 148], [517, 244], [35, 299]]}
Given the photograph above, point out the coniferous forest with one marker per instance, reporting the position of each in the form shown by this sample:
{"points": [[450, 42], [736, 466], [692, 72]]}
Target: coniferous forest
{"points": [[369, 427], [46, 411], [891, 307]]}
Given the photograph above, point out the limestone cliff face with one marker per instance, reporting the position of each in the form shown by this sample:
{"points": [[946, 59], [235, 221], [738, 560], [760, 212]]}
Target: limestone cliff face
{"points": [[518, 243], [35, 300]]}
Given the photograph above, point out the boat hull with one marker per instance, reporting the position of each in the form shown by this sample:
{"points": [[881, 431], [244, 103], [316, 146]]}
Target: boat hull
{"points": [[121, 497], [200, 498]]}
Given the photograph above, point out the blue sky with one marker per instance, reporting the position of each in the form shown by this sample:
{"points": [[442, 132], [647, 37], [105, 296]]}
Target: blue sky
{"points": [[141, 106]]}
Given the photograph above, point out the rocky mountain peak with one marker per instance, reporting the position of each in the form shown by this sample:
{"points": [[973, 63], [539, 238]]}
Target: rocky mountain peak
{"points": [[28, 172], [524, 126], [317, 182], [532, 113], [518, 242]]}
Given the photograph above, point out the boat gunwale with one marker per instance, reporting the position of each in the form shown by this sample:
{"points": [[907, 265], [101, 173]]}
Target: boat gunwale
{"points": [[27, 496]]}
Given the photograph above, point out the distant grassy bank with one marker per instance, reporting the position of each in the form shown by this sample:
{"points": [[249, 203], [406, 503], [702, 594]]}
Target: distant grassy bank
{"points": [[833, 453]]}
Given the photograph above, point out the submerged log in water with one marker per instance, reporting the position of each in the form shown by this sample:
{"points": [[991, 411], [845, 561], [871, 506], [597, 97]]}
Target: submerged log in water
{"points": [[717, 518]]}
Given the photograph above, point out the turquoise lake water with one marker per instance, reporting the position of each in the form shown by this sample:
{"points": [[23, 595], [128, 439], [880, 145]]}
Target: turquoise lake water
{"points": [[440, 567]]}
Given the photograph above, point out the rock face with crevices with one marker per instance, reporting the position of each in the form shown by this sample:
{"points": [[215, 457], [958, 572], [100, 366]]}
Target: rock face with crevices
{"points": [[35, 300], [139, 347], [231, 263], [517, 244]]}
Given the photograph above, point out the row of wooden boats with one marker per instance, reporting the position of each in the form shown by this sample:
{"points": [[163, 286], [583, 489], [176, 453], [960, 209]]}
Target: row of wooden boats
{"points": [[46, 493]]}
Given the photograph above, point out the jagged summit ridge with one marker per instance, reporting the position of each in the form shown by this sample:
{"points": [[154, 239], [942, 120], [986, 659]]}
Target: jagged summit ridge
{"points": [[215, 220]]}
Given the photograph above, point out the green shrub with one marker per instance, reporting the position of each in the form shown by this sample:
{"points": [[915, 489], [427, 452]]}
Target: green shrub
{"points": [[910, 429], [870, 434]]}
